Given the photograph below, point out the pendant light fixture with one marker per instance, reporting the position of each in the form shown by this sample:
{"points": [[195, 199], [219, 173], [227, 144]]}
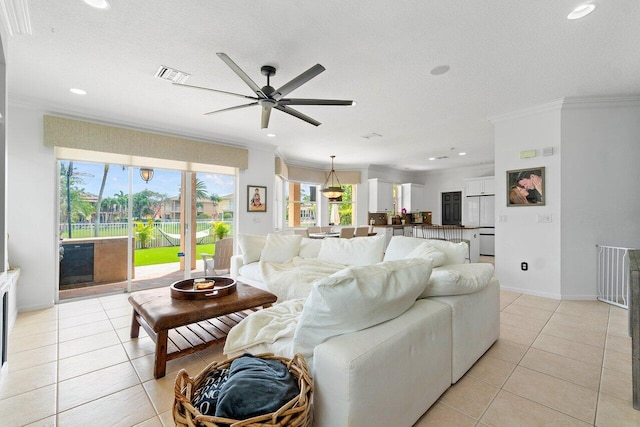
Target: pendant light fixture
{"points": [[333, 190], [146, 174]]}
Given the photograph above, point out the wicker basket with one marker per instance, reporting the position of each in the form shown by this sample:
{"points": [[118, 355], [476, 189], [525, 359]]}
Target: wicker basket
{"points": [[296, 413]]}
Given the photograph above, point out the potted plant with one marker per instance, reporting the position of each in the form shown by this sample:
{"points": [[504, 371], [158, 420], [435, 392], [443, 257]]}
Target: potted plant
{"points": [[144, 232], [220, 230]]}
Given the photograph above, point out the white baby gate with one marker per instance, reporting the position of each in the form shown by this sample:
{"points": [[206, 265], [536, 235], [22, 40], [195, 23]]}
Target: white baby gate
{"points": [[613, 275]]}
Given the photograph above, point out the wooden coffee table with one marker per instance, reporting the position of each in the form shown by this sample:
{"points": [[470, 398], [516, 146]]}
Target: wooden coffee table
{"points": [[181, 327]]}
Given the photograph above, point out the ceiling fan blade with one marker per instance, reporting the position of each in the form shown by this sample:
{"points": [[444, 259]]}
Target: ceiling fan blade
{"points": [[254, 87], [298, 81], [297, 114], [298, 101], [266, 114], [216, 90], [237, 107]]}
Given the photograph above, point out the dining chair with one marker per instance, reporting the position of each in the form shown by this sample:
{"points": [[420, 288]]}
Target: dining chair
{"points": [[314, 229], [347, 232], [326, 229], [303, 232], [362, 230]]}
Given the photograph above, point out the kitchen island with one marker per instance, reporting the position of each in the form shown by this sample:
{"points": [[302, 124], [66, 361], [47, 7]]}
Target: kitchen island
{"points": [[442, 232]]}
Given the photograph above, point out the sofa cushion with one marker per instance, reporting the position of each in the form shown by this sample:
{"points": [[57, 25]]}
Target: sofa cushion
{"points": [[358, 297], [400, 246], [426, 251], [280, 247], [458, 279], [310, 248], [251, 247], [361, 251]]}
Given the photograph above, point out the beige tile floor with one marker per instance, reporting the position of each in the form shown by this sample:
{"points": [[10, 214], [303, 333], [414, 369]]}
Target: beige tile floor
{"points": [[556, 363]]}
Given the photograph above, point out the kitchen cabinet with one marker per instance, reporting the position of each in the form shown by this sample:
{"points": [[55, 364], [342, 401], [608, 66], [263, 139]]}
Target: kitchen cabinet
{"points": [[413, 197], [480, 186], [380, 196]]}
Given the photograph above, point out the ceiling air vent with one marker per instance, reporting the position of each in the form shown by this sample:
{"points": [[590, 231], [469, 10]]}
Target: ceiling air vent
{"points": [[175, 76], [372, 135]]}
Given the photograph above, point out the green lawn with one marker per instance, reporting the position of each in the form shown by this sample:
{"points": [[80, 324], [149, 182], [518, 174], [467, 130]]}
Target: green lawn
{"points": [[165, 255]]}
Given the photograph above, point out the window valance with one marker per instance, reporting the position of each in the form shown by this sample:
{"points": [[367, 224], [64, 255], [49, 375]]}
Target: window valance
{"points": [[297, 173], [77, 134]]}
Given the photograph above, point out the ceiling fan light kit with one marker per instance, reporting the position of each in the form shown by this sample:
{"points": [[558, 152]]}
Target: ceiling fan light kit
{"points": [[269, 98]]}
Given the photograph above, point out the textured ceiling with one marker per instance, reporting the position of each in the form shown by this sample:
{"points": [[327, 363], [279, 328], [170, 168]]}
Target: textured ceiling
{"points": [[504, 56]]}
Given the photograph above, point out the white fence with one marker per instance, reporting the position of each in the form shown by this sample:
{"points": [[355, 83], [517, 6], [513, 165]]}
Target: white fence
{"points": [[169, 238], [613, 275]]}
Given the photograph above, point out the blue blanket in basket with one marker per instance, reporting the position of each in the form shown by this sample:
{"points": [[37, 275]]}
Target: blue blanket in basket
{"points": [[254, 387]]}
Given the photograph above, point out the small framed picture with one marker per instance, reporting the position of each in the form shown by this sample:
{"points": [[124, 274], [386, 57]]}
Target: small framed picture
{"points": [[256, 198], [525, 187]]}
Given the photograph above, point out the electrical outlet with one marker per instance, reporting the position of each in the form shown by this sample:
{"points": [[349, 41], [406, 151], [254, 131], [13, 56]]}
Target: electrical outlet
{"points": [[524, 266]]}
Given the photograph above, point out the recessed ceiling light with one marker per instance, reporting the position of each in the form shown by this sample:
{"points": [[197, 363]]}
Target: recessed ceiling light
{"points": [[581, 11], [462, 154], [78, 91], [432, 158], [98, 4], [271, 135], [440, 69]]}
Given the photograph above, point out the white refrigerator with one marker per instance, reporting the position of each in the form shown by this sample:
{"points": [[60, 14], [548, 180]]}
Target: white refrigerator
{"points": [[480, 212]]}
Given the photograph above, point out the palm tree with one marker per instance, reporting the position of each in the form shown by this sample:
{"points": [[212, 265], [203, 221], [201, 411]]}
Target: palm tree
{"points": [[201, 190], [99, 202], [215, 200]]}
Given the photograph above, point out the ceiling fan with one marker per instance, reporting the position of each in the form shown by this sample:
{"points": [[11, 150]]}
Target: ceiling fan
{"points": [[269, 98]]}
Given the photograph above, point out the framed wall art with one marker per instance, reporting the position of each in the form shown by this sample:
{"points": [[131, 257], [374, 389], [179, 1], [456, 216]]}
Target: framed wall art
{"points": [[525, 187], [256, 198]]}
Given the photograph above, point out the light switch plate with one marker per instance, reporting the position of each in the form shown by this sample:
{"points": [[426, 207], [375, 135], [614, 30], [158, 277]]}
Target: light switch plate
{"points": [[527, 154], [544, 218]]}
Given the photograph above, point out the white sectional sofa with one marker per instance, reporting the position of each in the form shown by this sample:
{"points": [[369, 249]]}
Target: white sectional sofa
{"points": [[384, 351]]}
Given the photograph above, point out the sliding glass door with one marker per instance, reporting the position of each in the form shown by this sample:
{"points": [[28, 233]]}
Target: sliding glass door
{"points": [[126, 228]]}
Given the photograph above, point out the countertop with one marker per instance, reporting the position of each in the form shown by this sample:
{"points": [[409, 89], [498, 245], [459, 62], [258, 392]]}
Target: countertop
{"points": [[421, 224]]}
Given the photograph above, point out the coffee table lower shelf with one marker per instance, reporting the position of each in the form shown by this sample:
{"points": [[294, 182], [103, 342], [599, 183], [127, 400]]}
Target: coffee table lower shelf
{"points": [[183, 340]]}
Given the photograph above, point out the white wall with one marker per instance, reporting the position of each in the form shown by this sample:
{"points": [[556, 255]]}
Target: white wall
{"points": [[600, 176], [31, 209], [395, 176], [590, 183], [519, 235], [262, 172], [448, 180]]}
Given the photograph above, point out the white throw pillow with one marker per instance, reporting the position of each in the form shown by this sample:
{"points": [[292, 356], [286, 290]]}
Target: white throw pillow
{"points": [[361, 251], [358, 297], [251, 247], [280, 248], [310, 248], [458, 279], [426, 251], [400, 246]]}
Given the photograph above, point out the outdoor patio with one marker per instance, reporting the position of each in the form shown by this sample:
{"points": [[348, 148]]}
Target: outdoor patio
{"points": [[151, 276]]}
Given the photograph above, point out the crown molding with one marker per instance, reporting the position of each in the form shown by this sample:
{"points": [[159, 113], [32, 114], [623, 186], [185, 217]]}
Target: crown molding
{"points": [[555, 105], [15, 17]]}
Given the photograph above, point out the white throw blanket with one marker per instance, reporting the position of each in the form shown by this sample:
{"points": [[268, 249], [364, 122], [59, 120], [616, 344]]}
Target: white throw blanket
{"points": [[265, 326], [295, 278]]}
